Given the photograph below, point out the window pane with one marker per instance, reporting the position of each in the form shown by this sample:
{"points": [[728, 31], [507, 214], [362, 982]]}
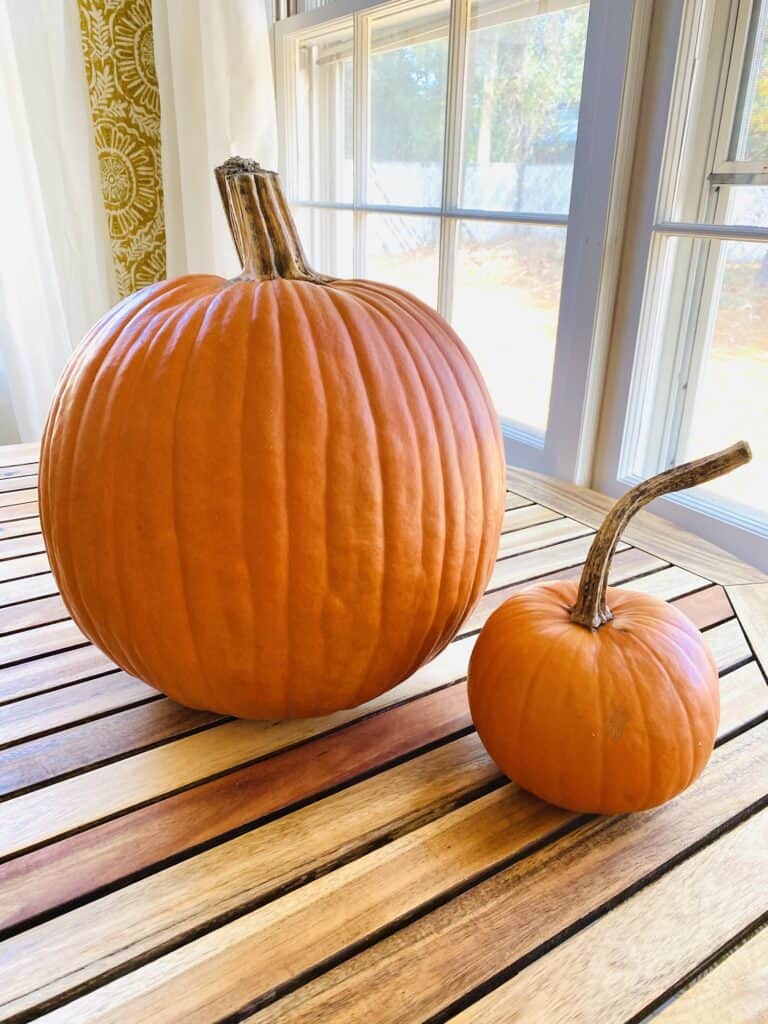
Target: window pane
{"points": [[731, 397], [407, 90], [327, 239], [505, 308], [748, 204], [403, 250], [752, 130], [522, 105], [324, 87]]}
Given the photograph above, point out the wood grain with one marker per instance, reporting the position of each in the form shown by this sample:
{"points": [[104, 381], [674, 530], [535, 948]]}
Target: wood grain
{"points": [[706, 607], [739, 982], [214, 975], [513, 500], [93, 742], [646, 530], [41, 815], [535, 537], [162, 864], [30, 526], [743, 699], [626, 565], [10, 472], [135, 728], [14, 547], [75, 867], [18, 497], [424, 968], [64, 707], [31, 643], [29, 565], [9, 484], [128, 924], [676, 923], [32, 613], [27, 588], [92, 940], [728, 644], [28, 678], [18, 454], [13, 513], [532, 564], [751, 605], [528, 515]]}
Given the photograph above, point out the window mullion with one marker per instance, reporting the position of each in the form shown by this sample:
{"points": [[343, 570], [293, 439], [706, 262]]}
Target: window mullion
{"points": [[452, 152], [360, 135]]}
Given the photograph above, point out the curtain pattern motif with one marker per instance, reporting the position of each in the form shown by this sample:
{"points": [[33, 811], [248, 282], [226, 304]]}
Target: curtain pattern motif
{"points": [[118, 49]]}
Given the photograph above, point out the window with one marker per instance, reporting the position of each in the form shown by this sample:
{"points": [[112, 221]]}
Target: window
{"points": [[581, 188], [695, 349], [440, 147]]}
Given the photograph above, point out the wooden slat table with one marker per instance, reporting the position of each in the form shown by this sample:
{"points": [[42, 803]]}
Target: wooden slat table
{"points": [[161, 864]]}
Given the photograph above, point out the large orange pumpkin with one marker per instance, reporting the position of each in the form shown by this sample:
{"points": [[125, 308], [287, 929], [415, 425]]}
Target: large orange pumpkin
{"points": [[272, 496], [595, 698]]}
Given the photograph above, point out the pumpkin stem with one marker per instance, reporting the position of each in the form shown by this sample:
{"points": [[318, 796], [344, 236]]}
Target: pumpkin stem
{"points": [[591, 609], [262, 227]]}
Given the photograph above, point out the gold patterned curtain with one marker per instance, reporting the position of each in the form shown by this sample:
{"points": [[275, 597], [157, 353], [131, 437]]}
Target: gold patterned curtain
{"points": [[118, 48]]}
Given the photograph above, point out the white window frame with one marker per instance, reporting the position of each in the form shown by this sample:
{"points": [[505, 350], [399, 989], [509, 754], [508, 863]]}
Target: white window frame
{"points": [[682, 34], [615, 51]]}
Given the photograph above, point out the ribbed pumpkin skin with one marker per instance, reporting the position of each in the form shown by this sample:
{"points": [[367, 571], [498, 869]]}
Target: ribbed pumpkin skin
{"points": [[271, 498], [618, 719]]}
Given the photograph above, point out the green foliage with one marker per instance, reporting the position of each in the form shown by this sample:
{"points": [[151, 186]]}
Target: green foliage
{"points": [[408, 88], [523, 89]]}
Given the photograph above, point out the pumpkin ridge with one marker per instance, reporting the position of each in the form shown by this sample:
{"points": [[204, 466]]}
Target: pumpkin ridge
{"points": [[188, 360], [412, 301], [143, 348], [687, 772], [482, 565], [647, 755], [524, 700], [425, 323], [170, 336], [247, 342], [331, 293], [357, 341], [422, 653], [83, 617], [132, 661], [340, 312], [309, 347], [449, 532]]}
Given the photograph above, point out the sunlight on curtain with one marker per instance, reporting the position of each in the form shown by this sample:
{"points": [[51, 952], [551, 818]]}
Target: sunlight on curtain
{"points": [[56, 276], [214, 67]]}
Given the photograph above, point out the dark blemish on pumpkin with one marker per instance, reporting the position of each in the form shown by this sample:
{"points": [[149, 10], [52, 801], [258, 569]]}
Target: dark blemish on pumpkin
{"points": [[616, 724]]}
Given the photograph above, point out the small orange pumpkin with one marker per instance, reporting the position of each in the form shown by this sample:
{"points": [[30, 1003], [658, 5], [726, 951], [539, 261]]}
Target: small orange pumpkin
{"points": [[600, 699], [274, 496]]}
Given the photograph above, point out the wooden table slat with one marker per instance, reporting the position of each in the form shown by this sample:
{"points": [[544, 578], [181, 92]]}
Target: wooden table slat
{"points": [[595, 976], [16, 513], [751, 605], [429, 965], [372, 867], [463, 941], [738, 982]]}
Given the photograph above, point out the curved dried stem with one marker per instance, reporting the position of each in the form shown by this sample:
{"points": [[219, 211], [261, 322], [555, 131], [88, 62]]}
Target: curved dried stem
{"points": [[591, 609], [262, 227]]}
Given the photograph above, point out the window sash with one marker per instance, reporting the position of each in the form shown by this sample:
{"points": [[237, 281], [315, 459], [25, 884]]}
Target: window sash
{"points": [[676, 41], [616, 40]]}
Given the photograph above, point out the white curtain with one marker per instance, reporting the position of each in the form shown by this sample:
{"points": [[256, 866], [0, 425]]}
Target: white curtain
{"points": [[214, 69], [56, 274]]}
